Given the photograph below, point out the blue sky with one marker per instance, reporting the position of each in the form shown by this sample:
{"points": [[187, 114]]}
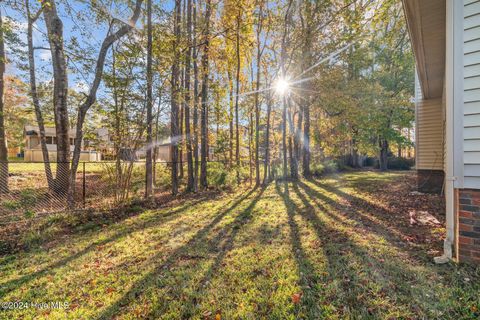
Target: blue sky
{"points": [[79, 23]]}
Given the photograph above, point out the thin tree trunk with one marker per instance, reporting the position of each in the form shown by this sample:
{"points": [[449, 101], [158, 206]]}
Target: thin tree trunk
{"points": [[190, 175], [204, 115], [292, 151], [307, 61], [175, 98], [237, 92], [230, 118], [148, 160], [60, 94], [306, 142], [250, 145], [284, 139], [117, 138], [266, 172], [195, 98], [257, 103], [283, 54], [3, 140], [33, 92], [383, 154]]}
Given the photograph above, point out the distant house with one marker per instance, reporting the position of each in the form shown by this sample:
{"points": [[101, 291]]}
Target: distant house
{"points": [[33, 149], [164, 151], [445, 36]]}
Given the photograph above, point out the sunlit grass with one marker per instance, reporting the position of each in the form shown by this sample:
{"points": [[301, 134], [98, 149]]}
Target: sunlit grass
{"points": [[319, 250]]}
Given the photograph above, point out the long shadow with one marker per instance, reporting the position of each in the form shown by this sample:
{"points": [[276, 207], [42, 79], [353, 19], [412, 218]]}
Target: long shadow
{"points": [[353, 212], [391, 273], [392, 226], [154, 221], [307, 275], [227, 240], [147, 280]]}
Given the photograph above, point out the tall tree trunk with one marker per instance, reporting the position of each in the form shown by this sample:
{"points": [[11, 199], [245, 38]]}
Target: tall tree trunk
{"points": [[257, 88], [296, 138], [3, 140], [284, 138], [283, 57], [306, 142], [250, 145], [292, 151], [307, 58], [237, 92], [204, 115], [190, 175], [148, 160], [175, 98], [180, 124], [60, 94], [117, 138], [195, 98], [383, 154], [230, 118], [266, 172], [33, 92]]}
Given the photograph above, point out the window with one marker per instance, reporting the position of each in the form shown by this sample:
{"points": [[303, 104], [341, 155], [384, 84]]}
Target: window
{"points": [[49, 140]]}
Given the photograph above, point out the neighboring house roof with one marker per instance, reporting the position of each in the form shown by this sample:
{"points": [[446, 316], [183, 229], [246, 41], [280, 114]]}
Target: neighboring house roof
{"points": [[49, 131], [426, 26]]}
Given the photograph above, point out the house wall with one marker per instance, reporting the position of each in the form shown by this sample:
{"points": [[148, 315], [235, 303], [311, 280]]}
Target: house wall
{"points": [[36, 155], [468, 221], [429, 152], [471, 88]]}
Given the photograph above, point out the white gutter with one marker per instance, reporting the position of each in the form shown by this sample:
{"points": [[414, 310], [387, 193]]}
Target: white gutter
{"points": [[454, 15]]}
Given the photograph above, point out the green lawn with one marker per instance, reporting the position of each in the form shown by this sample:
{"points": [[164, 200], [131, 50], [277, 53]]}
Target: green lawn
{"points": [[339, 247]]}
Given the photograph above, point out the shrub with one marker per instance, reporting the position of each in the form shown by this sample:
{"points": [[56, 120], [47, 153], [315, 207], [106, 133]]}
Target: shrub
{"points": [[317, 169], [396, 163], [222, 177], [331, 166], [325, 167]]}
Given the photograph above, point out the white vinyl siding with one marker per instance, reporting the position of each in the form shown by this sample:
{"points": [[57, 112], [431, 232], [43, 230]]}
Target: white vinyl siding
{"points": [[471, 99], [429, 132]]}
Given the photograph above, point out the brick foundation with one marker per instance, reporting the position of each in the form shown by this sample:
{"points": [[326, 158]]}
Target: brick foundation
{"points": [[430, 181], [469, 226]]}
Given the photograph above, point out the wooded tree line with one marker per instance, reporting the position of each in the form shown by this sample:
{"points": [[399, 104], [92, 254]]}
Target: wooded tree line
{"points": [[273, 86]]}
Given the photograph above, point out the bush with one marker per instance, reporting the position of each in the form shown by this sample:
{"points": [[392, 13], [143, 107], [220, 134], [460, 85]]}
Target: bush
{"points": [[396, 163], [222, 177], [325, 167], [318, 169]]}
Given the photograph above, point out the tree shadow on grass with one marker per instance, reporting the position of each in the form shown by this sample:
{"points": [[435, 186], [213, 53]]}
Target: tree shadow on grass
{"points": [[360, 212], [151, 222], [308, 278], [394, 226], [373, 283], [201, 235], [220, 246]]}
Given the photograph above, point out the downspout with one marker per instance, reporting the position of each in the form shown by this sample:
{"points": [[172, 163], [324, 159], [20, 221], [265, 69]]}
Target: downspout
{"points": [[450, 177]]}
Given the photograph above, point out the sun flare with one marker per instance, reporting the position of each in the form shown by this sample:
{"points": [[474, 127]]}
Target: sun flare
{"points": [[282, 86]]}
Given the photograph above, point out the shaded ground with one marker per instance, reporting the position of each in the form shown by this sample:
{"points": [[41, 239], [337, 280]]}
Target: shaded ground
{"points": [[356, 245]]}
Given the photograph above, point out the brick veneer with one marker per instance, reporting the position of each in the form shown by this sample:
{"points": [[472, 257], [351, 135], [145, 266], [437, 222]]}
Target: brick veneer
{"points": [[469, 226]]}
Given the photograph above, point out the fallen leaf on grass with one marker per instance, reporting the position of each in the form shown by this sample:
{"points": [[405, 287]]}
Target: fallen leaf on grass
{"points": [[296, 297]]}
